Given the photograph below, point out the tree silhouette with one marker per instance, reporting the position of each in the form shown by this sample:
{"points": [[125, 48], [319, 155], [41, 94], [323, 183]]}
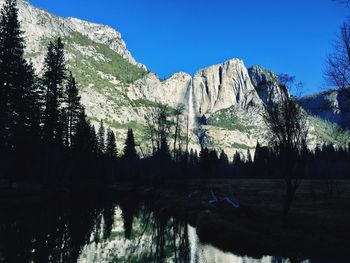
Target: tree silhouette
{"points": [[129, 149], [73, 108], [111, 147], [13, 76], [288, 130], [33, 100], [101, 146], [53, 81], [130, 157], [338, 63], [179, 110]]}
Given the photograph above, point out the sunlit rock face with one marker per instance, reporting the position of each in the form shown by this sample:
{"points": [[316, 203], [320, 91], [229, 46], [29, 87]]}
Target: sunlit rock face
{"points": [[105, 35], [214, 88], [222, 86], [266, 85], [171, 91]]}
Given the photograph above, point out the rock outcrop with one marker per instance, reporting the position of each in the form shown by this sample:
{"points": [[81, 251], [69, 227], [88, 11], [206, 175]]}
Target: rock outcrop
{"points": [[222, 86], [214, 88], [266, 85], [171, 91], [331, 105]]}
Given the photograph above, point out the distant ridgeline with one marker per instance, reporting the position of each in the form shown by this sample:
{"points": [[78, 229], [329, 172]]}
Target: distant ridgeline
{"points": [[185, 126], [330, 105]]}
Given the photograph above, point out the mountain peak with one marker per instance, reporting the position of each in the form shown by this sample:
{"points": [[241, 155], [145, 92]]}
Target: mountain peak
{"points": [[40, 26], [259, 74]]}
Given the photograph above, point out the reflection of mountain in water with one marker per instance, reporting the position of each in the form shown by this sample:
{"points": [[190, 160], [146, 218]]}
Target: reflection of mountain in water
{"points": [[202, 253], [100, 231], [157, 239]]}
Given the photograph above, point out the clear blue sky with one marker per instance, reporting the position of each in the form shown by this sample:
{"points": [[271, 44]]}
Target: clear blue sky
{"points": [[289, 36]]}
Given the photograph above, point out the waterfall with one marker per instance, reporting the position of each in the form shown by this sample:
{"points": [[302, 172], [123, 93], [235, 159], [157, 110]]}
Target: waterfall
{"points": [[191, 114]]}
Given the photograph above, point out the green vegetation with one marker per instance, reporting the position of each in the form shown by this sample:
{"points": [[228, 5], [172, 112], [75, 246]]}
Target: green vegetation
{"points": [[106, 61], [144, 103], [228, 119], [329, 133], [100, 68], [133, 125], [240, 146]]}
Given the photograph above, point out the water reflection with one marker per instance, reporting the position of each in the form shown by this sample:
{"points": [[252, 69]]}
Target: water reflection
{"points": [[54, 232], [104, 231], [140, 234]]}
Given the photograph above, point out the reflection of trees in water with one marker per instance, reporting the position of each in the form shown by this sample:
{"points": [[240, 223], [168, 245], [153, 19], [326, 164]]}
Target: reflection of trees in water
{"points": [[170, 239], [102, 232], [51, 233], [130, 208], [153, 236]]}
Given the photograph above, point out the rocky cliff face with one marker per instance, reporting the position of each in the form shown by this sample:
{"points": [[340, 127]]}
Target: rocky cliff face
{"points": [[222, 86], [40, 25], [266, 85], [331, 105], [222, 102]]}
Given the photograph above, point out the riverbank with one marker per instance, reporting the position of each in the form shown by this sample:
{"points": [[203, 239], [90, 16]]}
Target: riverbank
{"points": [[316, 227]]}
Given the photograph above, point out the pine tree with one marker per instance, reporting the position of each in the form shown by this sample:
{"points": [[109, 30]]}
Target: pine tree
{"points": [[101, 139], [111, 147], [130, 157], [129, 149], [53, 81], [93, 141], [33, 102], [237, 158], [223, 167], [13, 77], [73, 108], [223, 158], [204, 162], [81, 142], [257, 152], [164, 151]]}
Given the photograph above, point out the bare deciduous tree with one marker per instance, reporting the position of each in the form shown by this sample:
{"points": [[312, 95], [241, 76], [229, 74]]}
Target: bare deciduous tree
{"points": [[288, 130], [179, 110], [338, 63], [159, 126]]}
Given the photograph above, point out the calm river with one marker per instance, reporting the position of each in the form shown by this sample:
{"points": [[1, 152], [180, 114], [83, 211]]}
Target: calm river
{"points": [[120, 231]]}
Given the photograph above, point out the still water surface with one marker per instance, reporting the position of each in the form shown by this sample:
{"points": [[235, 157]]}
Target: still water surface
{"points": [[101, 231]]}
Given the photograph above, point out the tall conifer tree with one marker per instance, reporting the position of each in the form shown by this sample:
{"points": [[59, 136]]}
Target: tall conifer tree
{"points": [[130, 150], [111, 147], [13, 76], [101, 139], [73, 108], [53, 81]]}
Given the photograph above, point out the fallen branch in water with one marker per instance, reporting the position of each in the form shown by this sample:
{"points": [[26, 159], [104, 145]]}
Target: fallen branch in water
{"points": [[233, 202]]}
